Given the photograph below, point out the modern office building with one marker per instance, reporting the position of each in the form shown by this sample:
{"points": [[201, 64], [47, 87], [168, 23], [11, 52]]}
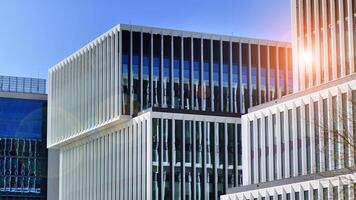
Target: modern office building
{"points": [[302, 146], [23, 128], [150, 113]]}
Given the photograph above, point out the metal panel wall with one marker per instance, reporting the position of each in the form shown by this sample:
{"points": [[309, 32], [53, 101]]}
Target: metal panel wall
{"points": [[83, 89], [317, 131], [113, 164]]}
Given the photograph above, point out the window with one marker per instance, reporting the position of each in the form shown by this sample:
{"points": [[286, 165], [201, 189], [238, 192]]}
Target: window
{"points": [[136, 57], [187, 72], [254, 74], [221, 159], [146, 71], [272, 73], [259, 149], [307, 131], [166, 157], [321, 43], [231, 148], [282, 71], [125, 73], [335, 131], [245, 78], [267, 148], [206, 74], [326, 133], [353, 119], [345, 134], [263, 76], [291, 149], [156, 127], [299, 143], [156, 70], [283, 159], [252, 153], [177, 68], [274, 141], [235, 77], [188, 159], [167, 54], [317, 137], [216, 75], [178, 137], [197, 75], [226, 77]]}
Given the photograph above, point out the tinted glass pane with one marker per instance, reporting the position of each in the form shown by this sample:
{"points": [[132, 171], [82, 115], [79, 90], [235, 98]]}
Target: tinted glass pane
{"points": [[207, 74], [125, 73], [22, 118], [146, 71], [167, 54], [245, 78], [235, 76], [177, 72]]}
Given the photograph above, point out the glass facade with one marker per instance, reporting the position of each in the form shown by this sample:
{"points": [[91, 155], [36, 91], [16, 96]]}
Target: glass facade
{"points": [[23, 153], [184, 163], [22, 85], [200, 74]]}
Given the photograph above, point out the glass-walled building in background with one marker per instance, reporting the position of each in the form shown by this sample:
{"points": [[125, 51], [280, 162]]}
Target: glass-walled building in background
{"points": [[150, 113], [23, 128]]}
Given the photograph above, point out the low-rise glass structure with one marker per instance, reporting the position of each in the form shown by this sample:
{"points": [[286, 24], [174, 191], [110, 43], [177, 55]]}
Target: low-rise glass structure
{"points": [[23, 152]]}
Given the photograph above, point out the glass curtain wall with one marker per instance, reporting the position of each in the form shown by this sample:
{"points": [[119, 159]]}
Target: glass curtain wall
{"points": [[178, 148]]}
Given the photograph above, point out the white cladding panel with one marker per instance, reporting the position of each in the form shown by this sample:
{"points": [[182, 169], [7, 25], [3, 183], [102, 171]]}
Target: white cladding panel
{"points": [[83, 89], [113, 164], [300, 134]]}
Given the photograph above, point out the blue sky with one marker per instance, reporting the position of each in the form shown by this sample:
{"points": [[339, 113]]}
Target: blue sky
{"points": [[36, 34]]}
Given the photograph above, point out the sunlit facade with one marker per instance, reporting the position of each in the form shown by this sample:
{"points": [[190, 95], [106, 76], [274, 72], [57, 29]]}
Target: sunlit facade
{"points": [[150, 113], [302, 146]]}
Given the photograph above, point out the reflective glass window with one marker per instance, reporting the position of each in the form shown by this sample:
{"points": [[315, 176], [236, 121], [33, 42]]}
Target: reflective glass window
{"points": [[244, 78], [263, 71], [177, 72], [282, 71], [22, 118], [226, 77], [235, 77], [307, 132], [136, 58], [197, 74], [216, 74], [326, 133], [146, 71], [254, 74], [266, 133], [272, 73], [187, 72], [167, 54], [207, 74], [291, 147], [299, 143], [156, 70], [178, 136], [125, 73]]}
